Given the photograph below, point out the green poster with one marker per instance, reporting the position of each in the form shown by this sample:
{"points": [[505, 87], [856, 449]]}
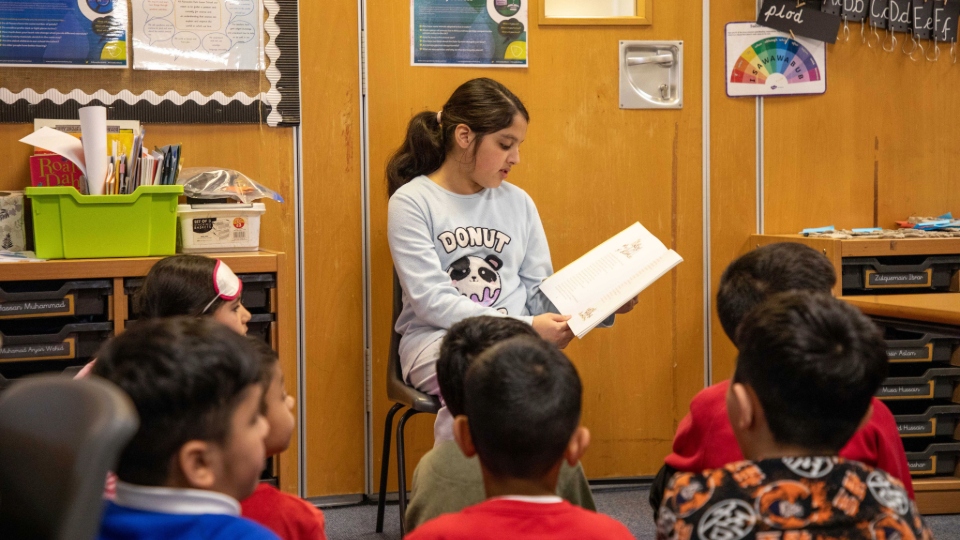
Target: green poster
{"points": [[469, 32]]}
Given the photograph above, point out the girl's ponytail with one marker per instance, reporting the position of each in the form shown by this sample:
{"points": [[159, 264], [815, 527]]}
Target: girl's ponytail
{"points": [[422, 152], [483, 105]]}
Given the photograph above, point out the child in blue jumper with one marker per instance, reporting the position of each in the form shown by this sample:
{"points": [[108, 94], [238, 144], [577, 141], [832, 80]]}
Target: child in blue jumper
{"points": [[200, 445]]}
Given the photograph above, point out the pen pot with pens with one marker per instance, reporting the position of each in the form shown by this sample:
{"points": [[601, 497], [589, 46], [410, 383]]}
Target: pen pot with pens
{"points": [[127, 202]]}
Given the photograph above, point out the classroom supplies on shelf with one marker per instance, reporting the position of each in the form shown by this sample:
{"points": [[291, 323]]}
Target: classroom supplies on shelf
{"points": [[69, 225], [109, 158], [219, 183], [210, 228]]}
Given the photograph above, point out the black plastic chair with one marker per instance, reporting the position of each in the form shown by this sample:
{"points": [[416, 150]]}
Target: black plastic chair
{"points": [[403, 395], [58, 439]]}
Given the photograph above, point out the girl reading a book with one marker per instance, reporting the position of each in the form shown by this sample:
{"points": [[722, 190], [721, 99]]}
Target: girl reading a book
{"points": [[465, 242]]}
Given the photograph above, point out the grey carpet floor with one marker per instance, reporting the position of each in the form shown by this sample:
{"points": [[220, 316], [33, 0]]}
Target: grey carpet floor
{"points": [[627, 505]]}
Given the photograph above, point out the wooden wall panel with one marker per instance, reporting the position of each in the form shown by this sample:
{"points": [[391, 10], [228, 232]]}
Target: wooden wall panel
{"points": [[877, 147], [732, 174], [332, 233], [592, 170]]}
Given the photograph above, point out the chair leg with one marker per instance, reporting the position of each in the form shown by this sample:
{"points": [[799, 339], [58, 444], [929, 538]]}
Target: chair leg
{"points": [[402, 467], [385, 463]]}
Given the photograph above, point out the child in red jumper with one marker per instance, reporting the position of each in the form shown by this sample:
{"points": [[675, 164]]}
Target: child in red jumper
{"points": [[522, 403], [704, 438], [290, 517]]}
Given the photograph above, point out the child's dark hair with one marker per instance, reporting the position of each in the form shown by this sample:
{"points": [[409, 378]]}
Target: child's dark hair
{"points": [[463, 343], [483, 105], [268, 360], [523, 403], [178, 285], [767, 270], [186, 376], [815, 363]]}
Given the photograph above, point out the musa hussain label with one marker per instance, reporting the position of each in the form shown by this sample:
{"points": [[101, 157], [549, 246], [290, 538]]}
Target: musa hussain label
{"points": [[906, 390]]}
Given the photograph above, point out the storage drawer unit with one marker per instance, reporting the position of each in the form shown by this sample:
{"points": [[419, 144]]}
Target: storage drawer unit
{"points": [[934, 383], [899, 274], [55, 298], [916, 420], [33, 348], [915, 342], [933, 459]]}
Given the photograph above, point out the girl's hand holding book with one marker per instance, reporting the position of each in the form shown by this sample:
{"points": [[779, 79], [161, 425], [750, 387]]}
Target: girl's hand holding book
{"points": [[553, 328]]}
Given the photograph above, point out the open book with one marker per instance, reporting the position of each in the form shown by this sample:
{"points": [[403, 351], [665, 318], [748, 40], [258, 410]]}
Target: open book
{"points": [[594, 286]]}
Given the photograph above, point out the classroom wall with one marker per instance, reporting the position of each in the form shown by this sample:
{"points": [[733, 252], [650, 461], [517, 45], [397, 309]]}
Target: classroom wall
{"points": [[592, 170], [878, 146]]}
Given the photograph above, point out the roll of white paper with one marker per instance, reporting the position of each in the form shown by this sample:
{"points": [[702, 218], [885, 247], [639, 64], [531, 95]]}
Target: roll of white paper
{"points": [[93, 133]]}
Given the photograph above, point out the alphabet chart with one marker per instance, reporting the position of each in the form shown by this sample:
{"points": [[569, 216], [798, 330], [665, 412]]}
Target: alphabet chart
{"points": [[765, 62], [197, 35]]}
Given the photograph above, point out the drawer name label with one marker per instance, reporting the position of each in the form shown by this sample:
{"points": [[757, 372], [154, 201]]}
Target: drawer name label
{"points": [[899, 278], [42, 350], [31, 307], [916, 428], [913, 353], [909, 390]]}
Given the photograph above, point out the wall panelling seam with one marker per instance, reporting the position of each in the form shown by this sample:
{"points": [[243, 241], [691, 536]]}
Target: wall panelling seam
{"points": [[367, 294], [705, 127]]}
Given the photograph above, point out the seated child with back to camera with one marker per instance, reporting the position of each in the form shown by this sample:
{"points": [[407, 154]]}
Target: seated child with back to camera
{"points": [[809, 365], [522, 403], [704, 438], [445, 480]]}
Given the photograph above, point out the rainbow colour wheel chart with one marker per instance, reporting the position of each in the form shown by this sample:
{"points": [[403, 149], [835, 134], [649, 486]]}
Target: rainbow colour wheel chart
{"points": [[775, 62]]}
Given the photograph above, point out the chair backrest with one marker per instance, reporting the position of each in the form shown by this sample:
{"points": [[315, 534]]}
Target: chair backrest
{"points": [[58, 439], [397, 389]]}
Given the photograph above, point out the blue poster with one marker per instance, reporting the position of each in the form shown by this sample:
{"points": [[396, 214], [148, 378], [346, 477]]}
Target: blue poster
{"points": [[469, 33], [63, 33]]}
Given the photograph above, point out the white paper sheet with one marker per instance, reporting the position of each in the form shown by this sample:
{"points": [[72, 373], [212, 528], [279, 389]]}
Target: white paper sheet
{"points": [[93, 133], [594, 286], [59, 143]]}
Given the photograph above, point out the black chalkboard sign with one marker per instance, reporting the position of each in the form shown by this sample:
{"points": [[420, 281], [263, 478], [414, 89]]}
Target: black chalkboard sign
{"points": [[855, 10], [923, 18], [878, 13], [945, 17], [786, 16], [900, 16], [832, 7]]}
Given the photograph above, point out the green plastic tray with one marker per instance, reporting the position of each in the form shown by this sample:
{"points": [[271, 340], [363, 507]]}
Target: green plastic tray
{"points": [[68, 225]]}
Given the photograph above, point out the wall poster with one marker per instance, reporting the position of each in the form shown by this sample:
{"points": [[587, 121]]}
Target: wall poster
{"points": [[480, 33], [762, 61], [198, 35], [63, 33]]}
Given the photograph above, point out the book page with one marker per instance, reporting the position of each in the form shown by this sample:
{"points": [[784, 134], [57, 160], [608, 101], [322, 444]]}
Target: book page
{"points": [[598, 283]]}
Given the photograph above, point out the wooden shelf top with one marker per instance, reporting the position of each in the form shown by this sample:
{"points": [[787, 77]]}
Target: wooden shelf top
{"points": [[936, 484], [246, 262], [881, 247], [943, 308]]}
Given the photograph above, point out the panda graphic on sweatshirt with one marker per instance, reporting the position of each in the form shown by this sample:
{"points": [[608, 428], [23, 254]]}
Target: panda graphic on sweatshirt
{"points": [[478, 279]]}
